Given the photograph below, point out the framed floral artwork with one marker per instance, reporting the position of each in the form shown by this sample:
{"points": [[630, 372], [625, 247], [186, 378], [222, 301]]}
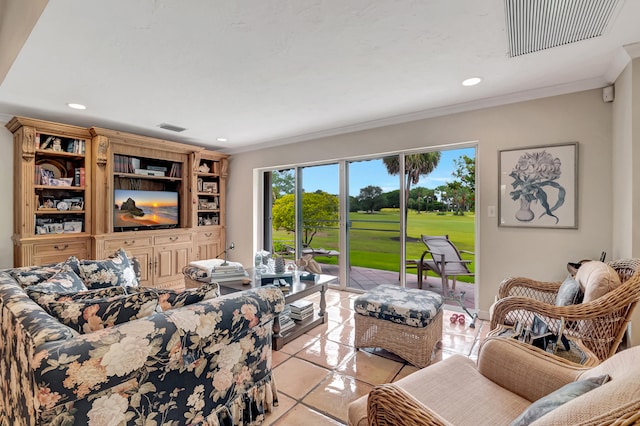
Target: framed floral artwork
{"points": [[538, 186]]}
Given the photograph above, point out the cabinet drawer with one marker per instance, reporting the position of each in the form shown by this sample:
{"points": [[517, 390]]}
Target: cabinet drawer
{"points": [[63, 248], [173, 239], [127, 243], [50, 252]]}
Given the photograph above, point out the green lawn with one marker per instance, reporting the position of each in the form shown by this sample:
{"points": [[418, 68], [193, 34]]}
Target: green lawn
{"points": [[375, 242]]}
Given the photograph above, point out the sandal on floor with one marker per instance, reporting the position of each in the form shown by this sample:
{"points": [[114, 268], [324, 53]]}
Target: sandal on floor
{"points": [[461, 319], [455, 318]]}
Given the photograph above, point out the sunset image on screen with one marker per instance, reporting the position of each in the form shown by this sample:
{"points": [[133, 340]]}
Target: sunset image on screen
{"points": [[135, 208]]}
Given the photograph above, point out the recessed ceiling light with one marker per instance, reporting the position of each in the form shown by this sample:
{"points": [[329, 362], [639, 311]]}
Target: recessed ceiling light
{"points": [[76, 106], [471, 81], [222, 139]]}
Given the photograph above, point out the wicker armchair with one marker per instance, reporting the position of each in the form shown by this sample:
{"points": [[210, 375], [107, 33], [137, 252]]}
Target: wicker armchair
{"points": [[600, 323], [507, 377]]}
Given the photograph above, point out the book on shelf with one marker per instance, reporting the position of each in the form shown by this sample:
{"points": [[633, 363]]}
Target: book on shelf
{"points": [[286, 323], [301, 314], [176, 170], [301, 310], [123, 164], [79, 176], [301, 305], [304, 321], [157, 168]]}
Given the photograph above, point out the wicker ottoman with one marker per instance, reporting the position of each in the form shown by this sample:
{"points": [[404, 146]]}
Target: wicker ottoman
{"points": [[407, 322], [194, 277]]}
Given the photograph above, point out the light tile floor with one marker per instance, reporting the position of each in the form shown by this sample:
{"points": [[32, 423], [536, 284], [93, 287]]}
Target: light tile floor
{"points": [[320, 373]]}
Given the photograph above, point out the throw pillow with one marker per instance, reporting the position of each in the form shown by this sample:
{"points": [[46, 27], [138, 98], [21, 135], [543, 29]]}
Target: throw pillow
{"points": [[555, 399], [116, 270], [171, 299], [99, 293], [90, 315], [64, 281], [29, 275], [44, 299], [596, 279], [569, 292]]}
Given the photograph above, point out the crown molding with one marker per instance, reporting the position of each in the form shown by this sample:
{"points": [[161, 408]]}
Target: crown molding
{"points": [[4, 118], [545, 92]]}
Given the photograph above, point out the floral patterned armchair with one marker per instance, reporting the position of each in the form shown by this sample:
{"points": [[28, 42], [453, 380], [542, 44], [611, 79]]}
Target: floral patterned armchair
{"points": [[205, 363]]}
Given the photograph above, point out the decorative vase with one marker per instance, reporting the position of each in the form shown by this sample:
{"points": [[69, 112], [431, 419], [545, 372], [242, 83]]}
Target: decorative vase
{"points": [[279, 265], [525, 214]]}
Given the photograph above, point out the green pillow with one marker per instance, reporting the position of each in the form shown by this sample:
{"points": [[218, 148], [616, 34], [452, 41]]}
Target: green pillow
{"points": [[555, 399]]}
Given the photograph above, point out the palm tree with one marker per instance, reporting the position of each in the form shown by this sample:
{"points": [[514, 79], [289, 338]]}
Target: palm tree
{"points": [[415, 165]]}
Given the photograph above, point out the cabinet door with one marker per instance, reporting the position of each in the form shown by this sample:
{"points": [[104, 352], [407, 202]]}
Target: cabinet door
{"points": [[145, 257], [169, 261], [209, 244]]}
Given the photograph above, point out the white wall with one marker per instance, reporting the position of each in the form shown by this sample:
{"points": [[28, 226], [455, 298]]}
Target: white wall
{"points": [[537, 253], [622, 173], [626, 154], [6, 194]]}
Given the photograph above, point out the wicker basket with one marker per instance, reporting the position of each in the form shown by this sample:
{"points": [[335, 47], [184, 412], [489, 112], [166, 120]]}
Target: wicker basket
{"points": [[414, 344]]}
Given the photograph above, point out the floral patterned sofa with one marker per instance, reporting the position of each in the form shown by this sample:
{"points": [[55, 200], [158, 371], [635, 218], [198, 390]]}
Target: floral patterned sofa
{"points": [[102, 351]]}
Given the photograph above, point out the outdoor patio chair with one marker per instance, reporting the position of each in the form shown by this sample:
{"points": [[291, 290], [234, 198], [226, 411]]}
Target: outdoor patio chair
{"points": [[445, 261]]}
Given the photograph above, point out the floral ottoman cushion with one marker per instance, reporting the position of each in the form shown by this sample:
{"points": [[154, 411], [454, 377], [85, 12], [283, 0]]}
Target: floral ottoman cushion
{"points": [[412, 307]]}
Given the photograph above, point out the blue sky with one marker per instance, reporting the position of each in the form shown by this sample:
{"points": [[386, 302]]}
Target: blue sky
{"points": [[373, 172]]}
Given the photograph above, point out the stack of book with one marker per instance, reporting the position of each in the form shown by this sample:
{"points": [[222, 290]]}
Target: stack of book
{"points": [[301, 310], [229, 272], [286, 323]]}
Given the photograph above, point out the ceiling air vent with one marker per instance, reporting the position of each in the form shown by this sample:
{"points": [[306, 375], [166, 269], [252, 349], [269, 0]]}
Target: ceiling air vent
{"points": [[171, 127], [534, 25]]}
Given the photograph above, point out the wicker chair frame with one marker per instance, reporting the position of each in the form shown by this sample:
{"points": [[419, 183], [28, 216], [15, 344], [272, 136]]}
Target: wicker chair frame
{"points": [[389, 405], [600, 324]]}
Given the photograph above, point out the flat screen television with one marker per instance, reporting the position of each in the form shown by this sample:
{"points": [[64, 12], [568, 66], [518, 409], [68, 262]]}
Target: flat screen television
{"points": [[137, 210]]}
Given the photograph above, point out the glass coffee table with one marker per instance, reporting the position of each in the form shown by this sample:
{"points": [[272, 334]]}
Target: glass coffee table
{"points": [[299, 289]]}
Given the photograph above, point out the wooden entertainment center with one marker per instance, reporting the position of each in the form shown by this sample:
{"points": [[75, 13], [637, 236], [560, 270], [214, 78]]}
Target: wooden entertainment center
{"points": [[75, 193]]}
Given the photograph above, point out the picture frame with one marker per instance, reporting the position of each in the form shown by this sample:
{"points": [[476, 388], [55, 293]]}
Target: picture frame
{"points": [[210, 187], [203, 203], [76, 205], [72, 227], [538, 186]]}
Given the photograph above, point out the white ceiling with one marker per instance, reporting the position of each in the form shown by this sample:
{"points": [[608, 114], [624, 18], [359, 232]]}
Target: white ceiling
{"points": [[265, 72]]}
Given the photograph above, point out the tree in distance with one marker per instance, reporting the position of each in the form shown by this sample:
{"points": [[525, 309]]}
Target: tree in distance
{"points": [[319, 210], [369, 197], [415, 165]]}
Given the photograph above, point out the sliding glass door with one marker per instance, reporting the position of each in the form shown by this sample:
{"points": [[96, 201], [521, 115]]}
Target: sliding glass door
{"points": [[319, 216], [362, 219], [373, 227]]}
